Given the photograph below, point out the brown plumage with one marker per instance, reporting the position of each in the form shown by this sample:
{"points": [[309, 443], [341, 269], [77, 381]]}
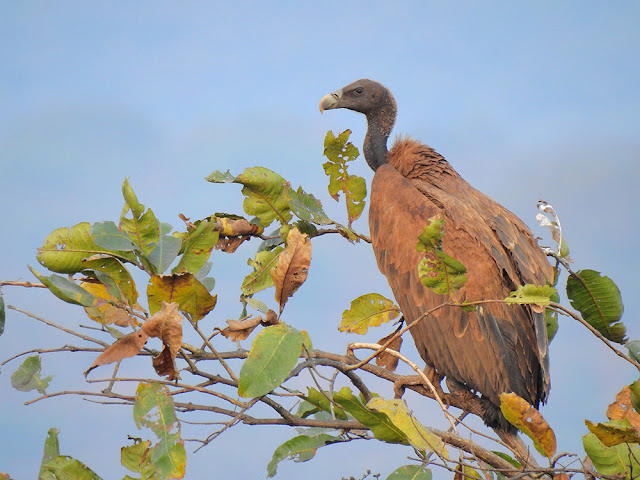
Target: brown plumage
{"points": [[497, 348]]}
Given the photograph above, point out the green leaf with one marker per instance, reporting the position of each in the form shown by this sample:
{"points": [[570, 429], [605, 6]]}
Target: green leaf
{"points": [[274, 353], [143, 231], [320, 400], [65, 249], [379, 423], [260, 278], [197, 245], [27, 376], [169, 458], [411, 472], [508, 458], [115, 276], [308, 208], [619, 460], [192, 296], [339, 152], [137, 459], [366, 311], [221, 177], [551, 318], [256, 304], [300, 449], [166, 250], [532, 294], [419, 436], [63, 467], [598, 300], [51, 450], [154, 409], [634, 349], [67, 290], [634, 388], [437, 270], [107, 235], [266, 193]]}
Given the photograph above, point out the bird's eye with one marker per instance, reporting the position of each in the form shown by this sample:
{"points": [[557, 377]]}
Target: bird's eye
{"points": [[359, 90]]}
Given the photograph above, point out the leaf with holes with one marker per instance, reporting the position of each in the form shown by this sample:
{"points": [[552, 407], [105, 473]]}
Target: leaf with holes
{"points": [[529, 421], [438, 271], [370, 310], [65, 249], [27, 376]]}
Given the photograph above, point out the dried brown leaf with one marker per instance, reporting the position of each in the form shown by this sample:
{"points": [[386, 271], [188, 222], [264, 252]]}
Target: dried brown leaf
{"points": [[272, 318], [293, 266], [167, 326], [385, 359], [241, 329], [622, 408], [125, 347], [164, 364]]}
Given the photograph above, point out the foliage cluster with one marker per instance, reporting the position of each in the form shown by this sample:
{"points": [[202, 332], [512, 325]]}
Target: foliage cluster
{"points": [[92, 266]]}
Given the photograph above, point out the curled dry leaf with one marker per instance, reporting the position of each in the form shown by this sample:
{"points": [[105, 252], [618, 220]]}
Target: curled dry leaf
{"points": [[293, 266], [622, 408], [386, 360], [125, 347], [167, 326], [234, 232], [240, 329]]}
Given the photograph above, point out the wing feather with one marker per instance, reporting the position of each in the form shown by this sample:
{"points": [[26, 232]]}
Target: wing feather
{"points": [[494, 349]]}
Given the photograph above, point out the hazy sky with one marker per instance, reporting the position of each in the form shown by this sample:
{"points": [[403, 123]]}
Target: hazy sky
{"points": [[527, 100]]}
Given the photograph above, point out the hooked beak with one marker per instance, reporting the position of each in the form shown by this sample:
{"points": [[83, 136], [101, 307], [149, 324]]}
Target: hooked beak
{"points": [[331, 101]]}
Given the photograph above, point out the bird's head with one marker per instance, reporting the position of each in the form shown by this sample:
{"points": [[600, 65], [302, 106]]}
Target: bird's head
{"points": [[364, 96]]}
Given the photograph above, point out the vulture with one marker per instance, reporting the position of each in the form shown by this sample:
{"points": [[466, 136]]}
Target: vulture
{"points": [[494, 348]]}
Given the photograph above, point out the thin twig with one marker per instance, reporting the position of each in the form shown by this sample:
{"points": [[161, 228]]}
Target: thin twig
{"points": [[59, 327], [568, 312], [21, 284]]}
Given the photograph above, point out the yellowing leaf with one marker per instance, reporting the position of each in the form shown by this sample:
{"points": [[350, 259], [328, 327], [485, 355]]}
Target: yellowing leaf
{"points": [[419, 436], [371, 310], [528, 420], [184, 289], [106, 313], [65, 249], [612, 435], [293, 266], [535, 295]]}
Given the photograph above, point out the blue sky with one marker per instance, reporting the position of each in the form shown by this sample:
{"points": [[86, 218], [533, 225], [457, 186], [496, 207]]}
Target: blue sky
{"points": [[526, 100]]}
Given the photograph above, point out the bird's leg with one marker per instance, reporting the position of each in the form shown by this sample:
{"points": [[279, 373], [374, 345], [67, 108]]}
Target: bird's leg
{"points": [[459, 389]]}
